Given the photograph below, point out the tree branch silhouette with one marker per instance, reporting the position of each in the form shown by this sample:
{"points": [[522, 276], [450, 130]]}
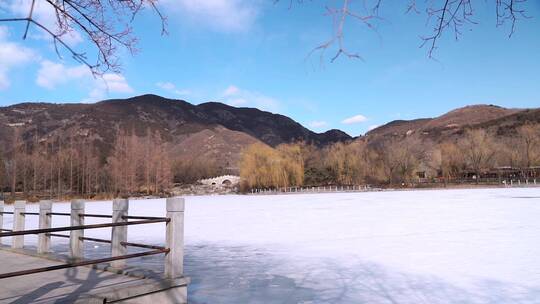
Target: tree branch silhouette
{"points": [[443, 15], [102, 23], [107, 24]]}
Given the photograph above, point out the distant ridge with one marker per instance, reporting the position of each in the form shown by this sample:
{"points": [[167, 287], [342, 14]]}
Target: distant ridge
{"points": [[218, 132], [212, 130], [490, 117]]}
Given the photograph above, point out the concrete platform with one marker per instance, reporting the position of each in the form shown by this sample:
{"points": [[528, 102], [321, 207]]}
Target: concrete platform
{"points": [[81, 284]]}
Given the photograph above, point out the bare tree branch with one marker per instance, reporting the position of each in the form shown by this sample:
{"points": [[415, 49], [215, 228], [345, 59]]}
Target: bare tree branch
{"points": [[29, 17], [339, 17], [101, 22], [443, 15], [510, 10]]}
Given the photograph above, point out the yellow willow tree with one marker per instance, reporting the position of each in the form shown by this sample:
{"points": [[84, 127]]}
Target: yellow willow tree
{"points": [[347, 162], [255, 165], [292, 158], [263, 166]]}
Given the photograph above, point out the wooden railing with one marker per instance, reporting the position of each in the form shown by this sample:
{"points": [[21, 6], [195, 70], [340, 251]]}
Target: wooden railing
{"points": [[120, 220]]}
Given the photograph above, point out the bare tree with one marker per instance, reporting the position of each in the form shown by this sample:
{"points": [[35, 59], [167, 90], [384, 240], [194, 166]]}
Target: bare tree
{"points": [[16, 159], [448, 160], [139, 164], [401, 157], [529, 137], [441, 15], [3, 171], [508, 152], [478, 150], [105, 24]]}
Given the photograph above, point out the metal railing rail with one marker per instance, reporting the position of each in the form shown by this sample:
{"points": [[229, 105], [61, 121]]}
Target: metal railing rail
{"points": [[100, 240], [81, 227], [120, 221], [82, 263], [109, 241]]}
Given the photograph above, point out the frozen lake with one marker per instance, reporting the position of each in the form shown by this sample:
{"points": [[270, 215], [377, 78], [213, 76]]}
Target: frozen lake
{"points": [[430, 246]]}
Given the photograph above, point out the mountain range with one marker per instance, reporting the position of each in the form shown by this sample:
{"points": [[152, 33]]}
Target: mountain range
{"points": [[212, 130], [494, 119], [218, 131]]}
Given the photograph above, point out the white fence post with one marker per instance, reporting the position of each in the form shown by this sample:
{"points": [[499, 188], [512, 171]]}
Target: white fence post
{"points": [[44, 240], [174, 260], [1, 219], [76, 244], [18, 223], [119, 233]]}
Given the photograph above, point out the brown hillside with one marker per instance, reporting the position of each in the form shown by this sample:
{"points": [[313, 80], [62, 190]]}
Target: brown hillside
{"points": [[469, 115], [453, 123], [211, 130], [219, 145]]}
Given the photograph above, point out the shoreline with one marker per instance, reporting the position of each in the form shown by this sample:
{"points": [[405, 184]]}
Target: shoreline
{"points": [[307, 190]]}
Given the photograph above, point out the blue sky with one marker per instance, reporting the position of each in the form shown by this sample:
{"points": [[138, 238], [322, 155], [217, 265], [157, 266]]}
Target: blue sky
{"points": [[255, 53]]}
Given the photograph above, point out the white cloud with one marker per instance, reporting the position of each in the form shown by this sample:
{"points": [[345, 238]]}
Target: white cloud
{"points": [[317, 124], [372, 127], [354, 120], [117, 83], [237, 102], [4, 81], [171, 87], [11, 56], [166, 85], [4, 33], [220, 15], [236, 96], [231, 90], [43, 13], [52, 75], [110, 83]]}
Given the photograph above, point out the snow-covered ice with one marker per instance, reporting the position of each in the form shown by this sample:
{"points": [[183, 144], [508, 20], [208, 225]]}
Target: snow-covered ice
{"points": [[428, 246]]}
